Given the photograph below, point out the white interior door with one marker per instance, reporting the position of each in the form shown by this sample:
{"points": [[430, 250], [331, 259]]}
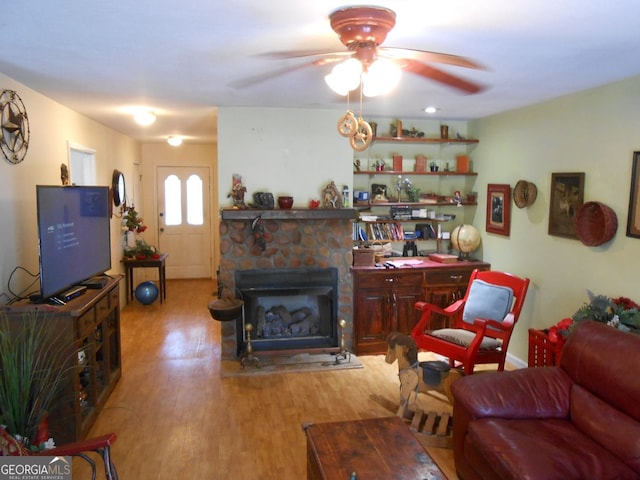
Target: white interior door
{"points": [[184, 220]]}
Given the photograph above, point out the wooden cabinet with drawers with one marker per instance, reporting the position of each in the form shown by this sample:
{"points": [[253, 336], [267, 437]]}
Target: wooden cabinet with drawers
{"points": [[384, 299], [90, 325]]}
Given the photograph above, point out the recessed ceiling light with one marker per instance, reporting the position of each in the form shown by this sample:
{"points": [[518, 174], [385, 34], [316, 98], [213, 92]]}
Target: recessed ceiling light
{"points": [[144, 117], [430, 109], [174, 141]]}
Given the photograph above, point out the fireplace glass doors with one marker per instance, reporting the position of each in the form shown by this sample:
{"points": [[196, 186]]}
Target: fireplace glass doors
{"points": [[294, 308]]}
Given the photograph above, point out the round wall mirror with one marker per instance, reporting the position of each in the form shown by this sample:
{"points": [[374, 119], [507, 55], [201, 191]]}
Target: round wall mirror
{"points": [[118, 186]]}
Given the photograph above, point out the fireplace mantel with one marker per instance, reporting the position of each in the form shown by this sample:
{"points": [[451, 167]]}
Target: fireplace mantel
{"points": [[288, 214]]}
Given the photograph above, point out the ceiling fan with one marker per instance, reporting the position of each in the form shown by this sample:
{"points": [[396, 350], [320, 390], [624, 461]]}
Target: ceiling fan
{"points": [[363, 29]]}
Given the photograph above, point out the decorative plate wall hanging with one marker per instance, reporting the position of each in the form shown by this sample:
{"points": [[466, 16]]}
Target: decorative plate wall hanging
{"points": [[14, 127]]}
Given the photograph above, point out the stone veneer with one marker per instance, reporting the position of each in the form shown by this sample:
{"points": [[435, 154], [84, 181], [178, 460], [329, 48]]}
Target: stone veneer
{"points": [[294, 239]]}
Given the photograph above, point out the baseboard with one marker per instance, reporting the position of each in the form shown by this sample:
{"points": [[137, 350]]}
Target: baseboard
{"points": [[512, 362], [515, 362]]}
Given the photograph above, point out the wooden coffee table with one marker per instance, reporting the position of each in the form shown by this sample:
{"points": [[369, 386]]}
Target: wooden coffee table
{"points": [[373, 449]]}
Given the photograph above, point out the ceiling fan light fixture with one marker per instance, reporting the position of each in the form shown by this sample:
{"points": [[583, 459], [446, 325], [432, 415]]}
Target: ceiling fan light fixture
{"points": [[144, 118], [381, 77], [345, 76], [174, 141], [430, 109]]}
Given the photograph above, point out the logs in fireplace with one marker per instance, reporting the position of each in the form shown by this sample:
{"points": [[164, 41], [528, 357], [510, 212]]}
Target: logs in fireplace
{"points": [[289, 309]]}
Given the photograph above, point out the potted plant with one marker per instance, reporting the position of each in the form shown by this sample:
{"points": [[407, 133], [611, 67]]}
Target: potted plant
{"points": [[133, 226], [620, 312], [29, 385]]}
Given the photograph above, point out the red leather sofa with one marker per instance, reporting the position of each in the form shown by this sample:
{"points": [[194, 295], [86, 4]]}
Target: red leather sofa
{"points": [[580, 420]]}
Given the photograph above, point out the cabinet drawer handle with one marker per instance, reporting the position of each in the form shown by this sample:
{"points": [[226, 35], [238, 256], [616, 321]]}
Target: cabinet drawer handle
{"points": [[457, 278], [389, 280]]}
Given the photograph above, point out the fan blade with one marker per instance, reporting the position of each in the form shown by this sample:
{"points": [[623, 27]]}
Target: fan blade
{"points": [[428, 57], [251, 81], [432, 73]]}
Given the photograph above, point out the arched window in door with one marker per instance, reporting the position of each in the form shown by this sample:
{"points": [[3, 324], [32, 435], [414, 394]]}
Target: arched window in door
{"points": [[195, 214], [172, 200], [194, 200]]}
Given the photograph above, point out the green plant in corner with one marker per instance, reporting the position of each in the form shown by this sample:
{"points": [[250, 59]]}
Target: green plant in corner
{"points": [[33, 364]]}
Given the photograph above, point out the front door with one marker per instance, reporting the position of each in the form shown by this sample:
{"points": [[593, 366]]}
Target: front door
{"points": [[185, 220]]}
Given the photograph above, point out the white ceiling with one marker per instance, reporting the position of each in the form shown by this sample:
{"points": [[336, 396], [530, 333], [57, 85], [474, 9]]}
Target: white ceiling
{"points": [[181, 59]]}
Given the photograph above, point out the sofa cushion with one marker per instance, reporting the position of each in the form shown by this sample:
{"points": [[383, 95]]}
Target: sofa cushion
{"points": [[609, 427], [551, 449]]}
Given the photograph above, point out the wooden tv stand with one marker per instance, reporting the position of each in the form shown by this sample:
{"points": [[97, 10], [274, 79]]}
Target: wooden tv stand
{"points": [[90, 325]]}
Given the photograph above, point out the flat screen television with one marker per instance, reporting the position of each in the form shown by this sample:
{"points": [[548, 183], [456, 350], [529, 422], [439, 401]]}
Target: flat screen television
{"points": [[74, 235]]}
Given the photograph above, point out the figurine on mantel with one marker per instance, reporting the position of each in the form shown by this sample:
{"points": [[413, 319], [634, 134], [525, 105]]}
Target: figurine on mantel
{"points": [[237, 192], [331, 196]]}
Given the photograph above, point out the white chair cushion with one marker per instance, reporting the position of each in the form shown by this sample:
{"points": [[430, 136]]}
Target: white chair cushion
{"points": [[488, 301], [464, 338]]}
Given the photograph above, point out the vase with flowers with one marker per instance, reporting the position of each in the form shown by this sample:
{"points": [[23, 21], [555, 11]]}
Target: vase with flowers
{"points": [[133, 226], [135, 245], [133, 221]]}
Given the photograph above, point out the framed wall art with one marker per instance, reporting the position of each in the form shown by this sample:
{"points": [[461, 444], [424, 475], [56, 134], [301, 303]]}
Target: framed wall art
{"points": [[567, 194], [499, 209], [633, 218]]}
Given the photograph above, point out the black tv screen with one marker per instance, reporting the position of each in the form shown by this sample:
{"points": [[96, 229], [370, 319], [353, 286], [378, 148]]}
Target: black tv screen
{"points": [[74, 235]]}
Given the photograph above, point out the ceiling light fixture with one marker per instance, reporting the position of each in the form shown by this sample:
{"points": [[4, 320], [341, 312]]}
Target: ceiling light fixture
{"points": [[144, 117], [174, 141], [430, 109], [378, 78]]}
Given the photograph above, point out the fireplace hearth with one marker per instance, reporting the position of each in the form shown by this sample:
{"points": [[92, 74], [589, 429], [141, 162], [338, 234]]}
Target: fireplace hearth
{"points": [[288, 309]]}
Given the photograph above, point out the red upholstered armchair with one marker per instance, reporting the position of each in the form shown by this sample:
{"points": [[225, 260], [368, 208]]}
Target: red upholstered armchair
{"points": [[480, 324]]}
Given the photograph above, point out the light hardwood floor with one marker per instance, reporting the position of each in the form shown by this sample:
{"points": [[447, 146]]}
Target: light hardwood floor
{"points": [[177, 419]]}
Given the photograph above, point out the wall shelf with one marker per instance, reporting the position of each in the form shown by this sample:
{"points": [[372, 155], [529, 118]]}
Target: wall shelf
{"points": [[440, 141], [369, 204], [409, 172]]}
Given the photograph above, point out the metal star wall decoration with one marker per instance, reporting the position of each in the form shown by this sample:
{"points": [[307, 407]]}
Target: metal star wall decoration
{"points": [[14, 127]]}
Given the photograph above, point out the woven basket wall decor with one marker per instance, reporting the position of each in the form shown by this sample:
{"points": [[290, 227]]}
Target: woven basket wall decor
{"points": [[595, 223]]}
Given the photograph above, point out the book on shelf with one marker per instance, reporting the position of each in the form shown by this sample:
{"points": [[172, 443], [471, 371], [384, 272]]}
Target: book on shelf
{"points": [[384, 231]]}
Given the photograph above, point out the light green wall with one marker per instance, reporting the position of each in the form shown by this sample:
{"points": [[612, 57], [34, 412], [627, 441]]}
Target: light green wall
{"points": [[595, 132], [282, 150]]}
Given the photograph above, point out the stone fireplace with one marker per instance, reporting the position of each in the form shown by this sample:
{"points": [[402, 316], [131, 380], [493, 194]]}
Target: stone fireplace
{"points": [[299, 245]]}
